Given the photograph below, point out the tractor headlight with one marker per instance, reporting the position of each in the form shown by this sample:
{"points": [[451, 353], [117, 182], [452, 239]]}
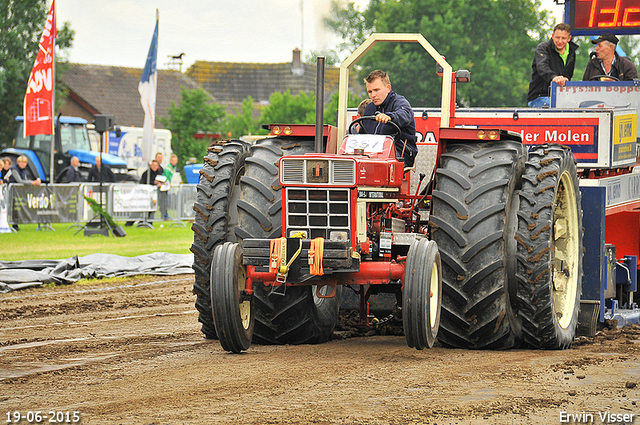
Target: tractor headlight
{"points": [[338, 236]]}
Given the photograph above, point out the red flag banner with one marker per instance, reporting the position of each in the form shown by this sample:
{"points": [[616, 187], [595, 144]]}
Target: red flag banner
{"points": [[38, 100]]}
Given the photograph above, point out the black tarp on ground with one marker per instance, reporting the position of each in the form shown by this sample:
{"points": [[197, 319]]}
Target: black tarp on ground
{"points": [[16, 275]]}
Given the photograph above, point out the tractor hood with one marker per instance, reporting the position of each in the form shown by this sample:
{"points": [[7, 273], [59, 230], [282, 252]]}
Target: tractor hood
{"points": [[89, 157]]}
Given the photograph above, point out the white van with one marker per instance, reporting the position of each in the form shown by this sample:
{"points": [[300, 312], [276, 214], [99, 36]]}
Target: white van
{"points": [[129, 147]]}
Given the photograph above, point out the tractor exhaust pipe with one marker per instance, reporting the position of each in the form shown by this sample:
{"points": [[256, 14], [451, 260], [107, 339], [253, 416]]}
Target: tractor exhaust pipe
{"points": [[319, 148]]}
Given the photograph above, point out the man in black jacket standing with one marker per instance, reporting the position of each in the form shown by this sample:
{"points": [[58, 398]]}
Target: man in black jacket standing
{"points": [[386, 105], [607, 65], [99, 168], [554, 60], [73, 171]]}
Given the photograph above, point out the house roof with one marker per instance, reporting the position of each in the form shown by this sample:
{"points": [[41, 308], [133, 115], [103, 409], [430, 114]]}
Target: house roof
{"points": [[114, 90], [234, 82]]}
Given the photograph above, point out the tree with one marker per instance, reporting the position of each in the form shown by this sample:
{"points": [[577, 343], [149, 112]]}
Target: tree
{"points": [[331, 108], [195, 114], [494, 39], [21, 25], [330, 57], [243, 122], [286, 108], [630, 44]]}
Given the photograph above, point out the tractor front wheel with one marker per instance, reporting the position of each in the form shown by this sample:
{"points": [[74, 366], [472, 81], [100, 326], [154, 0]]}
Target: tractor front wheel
{"points": [[422, 294], [232, 309]]}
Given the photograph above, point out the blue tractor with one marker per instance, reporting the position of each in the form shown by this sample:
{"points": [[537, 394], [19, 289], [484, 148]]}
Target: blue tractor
{"points": [[71, 139]]}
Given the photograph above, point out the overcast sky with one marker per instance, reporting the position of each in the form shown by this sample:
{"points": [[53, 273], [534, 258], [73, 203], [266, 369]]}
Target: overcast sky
{"points": [[118, 32]]}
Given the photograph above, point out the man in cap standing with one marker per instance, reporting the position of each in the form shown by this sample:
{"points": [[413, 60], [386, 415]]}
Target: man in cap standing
{"points": [[606, 64]]}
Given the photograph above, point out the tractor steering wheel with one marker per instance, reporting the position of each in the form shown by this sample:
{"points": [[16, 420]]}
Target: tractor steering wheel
{"points": [[600, 78], [373, 118]]}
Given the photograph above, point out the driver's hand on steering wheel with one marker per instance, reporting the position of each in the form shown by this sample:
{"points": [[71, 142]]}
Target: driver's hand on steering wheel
{"points": [[383, 118]]}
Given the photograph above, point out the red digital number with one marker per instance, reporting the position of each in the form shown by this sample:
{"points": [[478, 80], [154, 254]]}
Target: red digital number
{"points": [[626, 22], [606, 14]]}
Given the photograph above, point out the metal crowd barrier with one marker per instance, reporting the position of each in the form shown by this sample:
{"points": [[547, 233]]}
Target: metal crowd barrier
{"points": [[60, 203]]}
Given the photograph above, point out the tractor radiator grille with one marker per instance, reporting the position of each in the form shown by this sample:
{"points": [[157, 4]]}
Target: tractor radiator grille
{"points": [[317, 211], [318, 171], [292, 171]]}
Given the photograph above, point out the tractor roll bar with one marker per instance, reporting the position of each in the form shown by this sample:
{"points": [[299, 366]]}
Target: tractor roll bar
{"points": [[365, 47]]}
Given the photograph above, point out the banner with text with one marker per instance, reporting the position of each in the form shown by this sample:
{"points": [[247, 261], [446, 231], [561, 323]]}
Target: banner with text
{"points": [[39, 99], [44, 204], [135, 198]]}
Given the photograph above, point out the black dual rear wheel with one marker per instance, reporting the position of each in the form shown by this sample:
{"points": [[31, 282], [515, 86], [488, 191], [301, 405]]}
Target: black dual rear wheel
{"points": [[549, 248], [473, 220], [215, 213], [291, 315], [239, 196]]}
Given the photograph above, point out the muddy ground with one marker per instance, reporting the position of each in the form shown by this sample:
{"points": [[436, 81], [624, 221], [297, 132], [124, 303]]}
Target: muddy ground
{"points": [[131, 352]]}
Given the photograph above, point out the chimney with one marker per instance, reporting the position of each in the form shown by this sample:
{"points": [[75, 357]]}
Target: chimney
{"points": [[297, 67], [296, 58]]}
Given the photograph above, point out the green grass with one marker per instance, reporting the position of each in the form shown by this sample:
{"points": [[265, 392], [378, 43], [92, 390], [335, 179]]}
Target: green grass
{"points": [[32, 244]]}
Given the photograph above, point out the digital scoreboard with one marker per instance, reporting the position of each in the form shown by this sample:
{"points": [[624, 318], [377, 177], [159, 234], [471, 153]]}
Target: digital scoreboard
{"points": [[593, 17]]}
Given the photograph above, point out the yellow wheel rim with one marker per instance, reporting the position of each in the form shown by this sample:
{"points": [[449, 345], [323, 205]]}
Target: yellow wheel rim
{"points": [[565, 249], [434, 295], [245, 306]]}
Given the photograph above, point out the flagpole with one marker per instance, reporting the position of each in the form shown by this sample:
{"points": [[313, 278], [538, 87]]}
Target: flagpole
{"points": [[53, 98], [148, 88], [153, 127]]}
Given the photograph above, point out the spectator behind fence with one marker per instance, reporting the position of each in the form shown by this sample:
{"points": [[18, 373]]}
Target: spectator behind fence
{"points": [[159, 158], [20, 174], [6, 165], [173, 178], [154, 176], [171, 169], [73, 171], [100, 169], [150, 175]]}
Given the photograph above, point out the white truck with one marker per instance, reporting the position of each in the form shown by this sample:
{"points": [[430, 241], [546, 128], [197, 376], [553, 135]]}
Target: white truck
{"points": [[129, 147]]}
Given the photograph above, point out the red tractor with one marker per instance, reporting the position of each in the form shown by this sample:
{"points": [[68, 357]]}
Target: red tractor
{"points": [[486, 253]]}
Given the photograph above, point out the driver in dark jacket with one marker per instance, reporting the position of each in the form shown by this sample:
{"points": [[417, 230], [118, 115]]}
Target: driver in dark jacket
{"points": [[386, 105], [607, 64]]}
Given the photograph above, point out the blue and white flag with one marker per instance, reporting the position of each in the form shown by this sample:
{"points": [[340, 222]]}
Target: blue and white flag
{"points": [[147, 88]]}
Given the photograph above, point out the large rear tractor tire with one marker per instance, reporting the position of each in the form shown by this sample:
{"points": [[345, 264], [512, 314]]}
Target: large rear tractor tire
{"points": [[295, 316], [473, 220], [422, 294], [549, 248], [232, 313], [292, 315], [260, 203], [215, 211]]}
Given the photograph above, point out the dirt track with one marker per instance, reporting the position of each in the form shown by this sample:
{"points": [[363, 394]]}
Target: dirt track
{"points": [[131, 352]]}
